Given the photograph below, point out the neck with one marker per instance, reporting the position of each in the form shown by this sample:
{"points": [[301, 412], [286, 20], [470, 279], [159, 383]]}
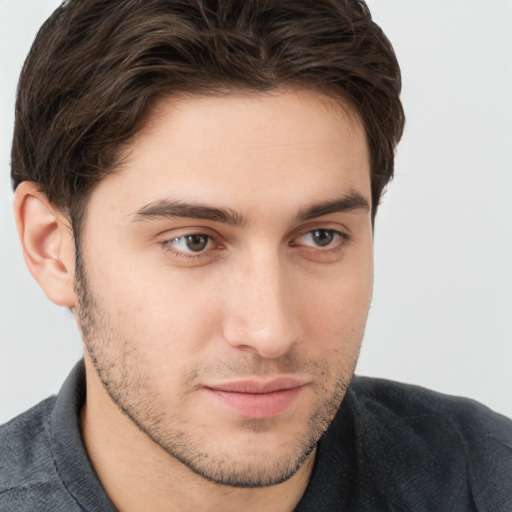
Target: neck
{"points": [[137, 474]]}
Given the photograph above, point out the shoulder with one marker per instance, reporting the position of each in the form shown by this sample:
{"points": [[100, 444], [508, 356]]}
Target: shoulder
{"points": [[401, 397], [25, 446], [406, 404], [451, 444], [28, 476]]}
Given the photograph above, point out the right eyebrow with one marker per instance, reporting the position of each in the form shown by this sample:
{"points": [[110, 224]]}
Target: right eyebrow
{"points": [[166, 208]]}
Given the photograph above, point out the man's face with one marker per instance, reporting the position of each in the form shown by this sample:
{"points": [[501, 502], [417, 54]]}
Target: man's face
{"points": [[226, 278]]}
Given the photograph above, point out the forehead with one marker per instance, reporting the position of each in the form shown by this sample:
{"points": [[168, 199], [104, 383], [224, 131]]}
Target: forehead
{"points": [[292, 146]]}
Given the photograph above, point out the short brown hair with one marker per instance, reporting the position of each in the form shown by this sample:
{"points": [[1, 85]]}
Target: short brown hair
{"points": [[97, 65]]}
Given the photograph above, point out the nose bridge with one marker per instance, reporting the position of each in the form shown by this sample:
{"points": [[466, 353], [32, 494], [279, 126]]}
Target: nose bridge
{"points": [[261, 313]]}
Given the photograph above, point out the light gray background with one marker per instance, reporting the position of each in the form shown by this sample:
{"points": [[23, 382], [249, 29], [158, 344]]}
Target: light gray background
{"points": [[442, 308]]}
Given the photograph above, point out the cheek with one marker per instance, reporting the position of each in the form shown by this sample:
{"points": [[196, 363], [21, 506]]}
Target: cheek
{"points": [[165, 313], [336, 309], [173, 319]]}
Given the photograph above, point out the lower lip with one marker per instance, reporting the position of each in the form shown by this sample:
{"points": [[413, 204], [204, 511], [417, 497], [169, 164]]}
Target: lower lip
{"points": [[257, 405]]}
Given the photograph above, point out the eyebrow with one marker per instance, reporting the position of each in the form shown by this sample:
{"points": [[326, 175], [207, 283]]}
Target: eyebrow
{"points": [[352, 201], [167, 208]]}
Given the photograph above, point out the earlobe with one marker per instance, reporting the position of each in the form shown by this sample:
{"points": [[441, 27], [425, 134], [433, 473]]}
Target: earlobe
{"points": [[47, 243]]}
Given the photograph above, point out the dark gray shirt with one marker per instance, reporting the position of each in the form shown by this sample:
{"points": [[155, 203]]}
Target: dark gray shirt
{"points": [[391, 447]]}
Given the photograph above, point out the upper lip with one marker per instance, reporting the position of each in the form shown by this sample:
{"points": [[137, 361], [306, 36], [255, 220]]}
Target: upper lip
{"points": [[259, 386]]}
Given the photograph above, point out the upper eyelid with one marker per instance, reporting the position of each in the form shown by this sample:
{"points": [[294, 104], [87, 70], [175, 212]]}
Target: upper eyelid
{"points": [[327, 224], [306, 227], [321, 228], [343, 236], [340, 232], [171, 234]]}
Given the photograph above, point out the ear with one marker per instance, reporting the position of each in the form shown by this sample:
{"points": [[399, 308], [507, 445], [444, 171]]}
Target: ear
{"points": [[47, 243]]}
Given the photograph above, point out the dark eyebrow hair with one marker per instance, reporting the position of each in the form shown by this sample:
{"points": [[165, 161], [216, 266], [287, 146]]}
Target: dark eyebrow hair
{"points": [[352, 201], [165, 208]]}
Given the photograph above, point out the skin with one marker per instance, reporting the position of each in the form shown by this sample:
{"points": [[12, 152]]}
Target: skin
{"points": [[275, 285]]}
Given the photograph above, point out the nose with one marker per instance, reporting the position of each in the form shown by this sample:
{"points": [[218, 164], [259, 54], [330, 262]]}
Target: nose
{"points": [[261, 313]]}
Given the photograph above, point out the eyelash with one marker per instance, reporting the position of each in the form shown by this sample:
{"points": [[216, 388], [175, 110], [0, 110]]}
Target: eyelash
{"points": [[344, 238], [167, 245]]}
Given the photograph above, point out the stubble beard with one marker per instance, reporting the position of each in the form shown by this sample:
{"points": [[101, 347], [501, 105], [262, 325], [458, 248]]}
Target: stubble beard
{"points": [[122, 376]]}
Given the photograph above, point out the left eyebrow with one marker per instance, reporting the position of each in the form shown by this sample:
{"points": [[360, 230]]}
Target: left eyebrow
{"points": [[352, 201]]}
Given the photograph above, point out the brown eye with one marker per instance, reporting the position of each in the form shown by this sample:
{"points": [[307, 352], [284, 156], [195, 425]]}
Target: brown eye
{"points": [[322, 237], [196, 242]]}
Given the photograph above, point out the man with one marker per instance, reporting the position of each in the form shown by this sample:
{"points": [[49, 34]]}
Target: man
{"points": [[198, 182]]}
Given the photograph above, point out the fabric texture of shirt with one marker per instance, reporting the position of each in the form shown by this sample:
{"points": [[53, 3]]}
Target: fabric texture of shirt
{"points": [[391, 447]]}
